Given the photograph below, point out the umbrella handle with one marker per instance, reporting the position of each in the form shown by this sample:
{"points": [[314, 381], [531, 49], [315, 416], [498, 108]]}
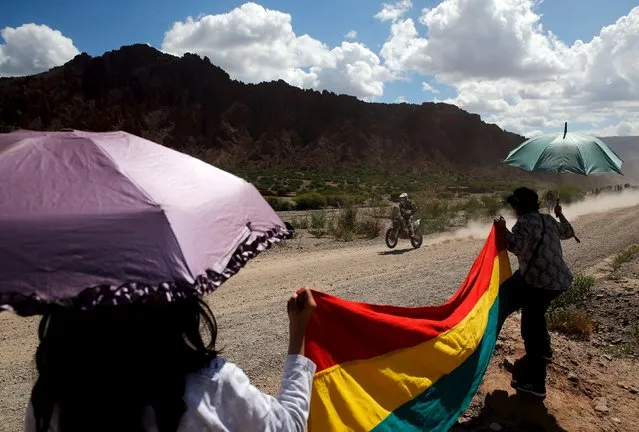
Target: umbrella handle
{"points": [[573, 236]]}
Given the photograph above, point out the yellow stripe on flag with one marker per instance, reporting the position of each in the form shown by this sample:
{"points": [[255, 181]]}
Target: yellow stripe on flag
{"points": [[358, 395]]}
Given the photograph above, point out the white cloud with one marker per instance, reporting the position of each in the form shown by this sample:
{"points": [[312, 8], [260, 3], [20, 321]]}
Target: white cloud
{"points": [[31, 49], [481, 39], [403, 48], [393, 11], [429, 88], [504, 65], [355, 70], [401, 99], [255, 44], [533, 133], [351, 35], [628, 127]]}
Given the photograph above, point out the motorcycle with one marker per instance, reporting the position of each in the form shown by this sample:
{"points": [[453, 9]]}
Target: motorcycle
{"points": [[399, 231]]}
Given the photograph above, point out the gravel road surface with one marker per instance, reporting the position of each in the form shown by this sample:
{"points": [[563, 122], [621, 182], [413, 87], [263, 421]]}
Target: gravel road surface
{"points": [[250, 308]]}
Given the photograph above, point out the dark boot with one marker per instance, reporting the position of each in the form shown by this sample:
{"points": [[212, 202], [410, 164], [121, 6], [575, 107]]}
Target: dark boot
{"points": [[529, 376], [537, 390]]}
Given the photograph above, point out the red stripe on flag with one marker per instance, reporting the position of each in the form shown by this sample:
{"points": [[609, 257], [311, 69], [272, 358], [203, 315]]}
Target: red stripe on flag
{"points": [[330, 339]]}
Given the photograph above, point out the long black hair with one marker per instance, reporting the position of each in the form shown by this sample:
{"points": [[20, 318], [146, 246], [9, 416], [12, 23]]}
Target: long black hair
{"points": [[103, 368]]}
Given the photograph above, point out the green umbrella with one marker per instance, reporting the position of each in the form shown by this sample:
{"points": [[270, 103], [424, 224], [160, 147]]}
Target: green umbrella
{"points": [[571, 153]]}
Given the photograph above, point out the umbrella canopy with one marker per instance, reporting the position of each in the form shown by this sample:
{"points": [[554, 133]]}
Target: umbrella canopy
{"points": [[92, 219], [567, 152]]}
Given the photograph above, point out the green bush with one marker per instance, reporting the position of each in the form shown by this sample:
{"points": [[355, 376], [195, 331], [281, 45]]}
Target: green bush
{"points": [[280, 204], [492, 204], [633, 333], [446, 195], [432, 208], [283, 191], [345, 226], [576, 295], [318, 220], [435, 225], [310, 201], [566, 314], [300, 222], [318, 224], [369, 228], [480, 188], [571, 321], [317, 233], [342, 200], [625, 256], [473, 208], [435, 214], [380, 213], [317, 184], [295, 184], [347, 219]]}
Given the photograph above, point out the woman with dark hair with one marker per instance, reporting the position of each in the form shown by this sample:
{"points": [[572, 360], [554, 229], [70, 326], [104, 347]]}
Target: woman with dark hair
{"points": [[542, 276], [154, 367]]}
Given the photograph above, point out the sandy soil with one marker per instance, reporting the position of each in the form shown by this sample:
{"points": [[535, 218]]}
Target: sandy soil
{"points": [[251, 307], [593, 385]]}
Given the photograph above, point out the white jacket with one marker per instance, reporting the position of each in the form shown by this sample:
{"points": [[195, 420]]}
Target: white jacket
{"points": [[220, 398]]}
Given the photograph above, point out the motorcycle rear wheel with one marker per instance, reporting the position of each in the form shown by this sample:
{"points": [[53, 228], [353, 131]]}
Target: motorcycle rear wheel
{"points": [[417, 240], [392, 237]]}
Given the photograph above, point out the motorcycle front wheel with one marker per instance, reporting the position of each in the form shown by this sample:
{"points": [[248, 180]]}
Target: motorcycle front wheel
{"points": [[417, 240], [391, 238]]}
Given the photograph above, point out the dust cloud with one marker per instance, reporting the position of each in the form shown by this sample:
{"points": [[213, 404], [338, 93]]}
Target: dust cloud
{"points": [[601, 203]]}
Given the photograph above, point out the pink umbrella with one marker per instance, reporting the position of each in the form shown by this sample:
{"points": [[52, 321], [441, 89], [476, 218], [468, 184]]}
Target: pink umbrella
{"points": [[92, 219]]}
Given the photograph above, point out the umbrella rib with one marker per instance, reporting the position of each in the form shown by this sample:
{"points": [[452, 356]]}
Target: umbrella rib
{"points": [[150, 200]]}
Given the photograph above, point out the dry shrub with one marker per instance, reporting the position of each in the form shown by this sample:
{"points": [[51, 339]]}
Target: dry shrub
{"points": [[576, 295], [318, 224], [625, 256], [300, 222], [571, 322], [369, 228], [345, 226]]}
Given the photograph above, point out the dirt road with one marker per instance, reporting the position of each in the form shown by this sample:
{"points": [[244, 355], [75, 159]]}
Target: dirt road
{"points": [[251, 307]]}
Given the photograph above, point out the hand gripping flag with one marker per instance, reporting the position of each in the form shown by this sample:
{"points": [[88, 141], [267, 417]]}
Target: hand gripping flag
{"points": [[389, 368]]}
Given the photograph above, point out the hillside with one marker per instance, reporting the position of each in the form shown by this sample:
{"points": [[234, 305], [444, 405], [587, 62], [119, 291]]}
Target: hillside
{"points": [[189, 104]]}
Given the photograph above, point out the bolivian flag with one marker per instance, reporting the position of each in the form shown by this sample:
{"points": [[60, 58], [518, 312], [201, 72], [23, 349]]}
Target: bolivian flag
{"points": [[388, 368]]}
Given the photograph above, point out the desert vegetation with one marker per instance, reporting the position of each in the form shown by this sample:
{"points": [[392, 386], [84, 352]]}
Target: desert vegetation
{"points": [[568, 313]]}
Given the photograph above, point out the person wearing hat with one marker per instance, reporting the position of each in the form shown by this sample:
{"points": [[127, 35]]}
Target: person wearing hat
{"points": [[542, 276]]}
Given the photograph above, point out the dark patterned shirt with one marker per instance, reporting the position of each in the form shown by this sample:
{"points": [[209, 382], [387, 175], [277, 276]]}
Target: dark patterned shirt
{"points": [[548, 270]]}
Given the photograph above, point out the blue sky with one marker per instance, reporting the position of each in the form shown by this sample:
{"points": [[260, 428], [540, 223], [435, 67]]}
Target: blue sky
{"points": [[96, 27]]}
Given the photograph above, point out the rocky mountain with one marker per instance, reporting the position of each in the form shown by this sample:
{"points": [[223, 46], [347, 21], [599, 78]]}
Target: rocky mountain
{"points": [[189, 104]]}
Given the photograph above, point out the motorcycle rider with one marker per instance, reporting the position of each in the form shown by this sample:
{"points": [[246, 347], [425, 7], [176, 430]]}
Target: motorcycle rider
{"points": [[407, 208]]}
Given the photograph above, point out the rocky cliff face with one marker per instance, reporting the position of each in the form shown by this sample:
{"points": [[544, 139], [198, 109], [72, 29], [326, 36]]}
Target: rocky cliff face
{"points": [[191, 105]]}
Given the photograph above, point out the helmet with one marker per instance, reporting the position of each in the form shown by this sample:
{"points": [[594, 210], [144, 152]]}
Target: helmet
{"points": [[403, 197]]}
